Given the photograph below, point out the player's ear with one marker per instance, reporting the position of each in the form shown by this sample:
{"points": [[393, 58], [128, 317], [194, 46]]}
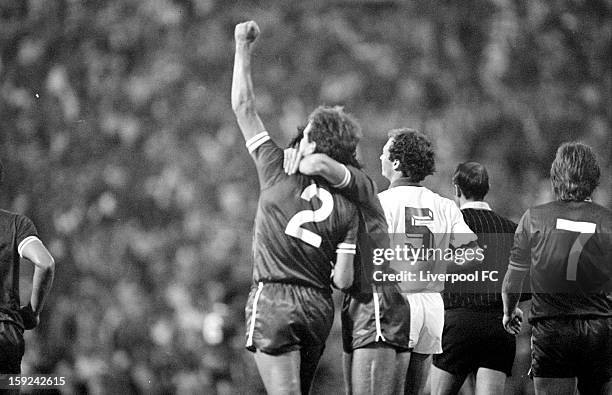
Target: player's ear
{"points": [[311, 146], [396, 164], [457, 191]]}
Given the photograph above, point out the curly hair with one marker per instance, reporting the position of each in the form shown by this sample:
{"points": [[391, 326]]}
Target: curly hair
{"points": [[335, 133], [414, 152], [473, 180], [574, 173]]}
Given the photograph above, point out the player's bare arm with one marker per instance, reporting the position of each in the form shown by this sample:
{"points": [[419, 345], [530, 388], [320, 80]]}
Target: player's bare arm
{"points": [[511, 294], [323, 166], [243, 97], [44, 271], [343, 271]]}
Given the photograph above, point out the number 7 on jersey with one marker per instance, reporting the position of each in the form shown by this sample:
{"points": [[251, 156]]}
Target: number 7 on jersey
{"points": [[586, 230]]}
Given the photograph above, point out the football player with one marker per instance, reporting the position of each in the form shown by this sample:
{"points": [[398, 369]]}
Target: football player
{"points": [[566, 246], [300, 227]]}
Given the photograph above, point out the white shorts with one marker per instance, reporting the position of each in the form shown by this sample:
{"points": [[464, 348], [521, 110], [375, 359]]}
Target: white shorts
{"points": [[426, 322]]}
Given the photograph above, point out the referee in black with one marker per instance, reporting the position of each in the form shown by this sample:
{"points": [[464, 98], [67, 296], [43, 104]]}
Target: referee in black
{"points": [[473, 341]]}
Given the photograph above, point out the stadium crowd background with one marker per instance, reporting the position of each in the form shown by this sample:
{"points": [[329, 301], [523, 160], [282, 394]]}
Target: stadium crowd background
{"points": [[119, 141]]}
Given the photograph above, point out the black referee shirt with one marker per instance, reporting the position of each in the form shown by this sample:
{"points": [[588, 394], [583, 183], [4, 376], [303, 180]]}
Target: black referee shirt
{"points": [[495, 235]]}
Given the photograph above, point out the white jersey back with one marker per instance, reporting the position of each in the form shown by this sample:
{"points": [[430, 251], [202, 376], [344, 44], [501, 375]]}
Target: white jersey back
{"points": [[416, 209]]}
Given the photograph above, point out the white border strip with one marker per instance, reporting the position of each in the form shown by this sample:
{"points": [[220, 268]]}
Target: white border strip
{"points": [[24, 243], [249, 342], [254, 142], [379, 335], [345, 180]]}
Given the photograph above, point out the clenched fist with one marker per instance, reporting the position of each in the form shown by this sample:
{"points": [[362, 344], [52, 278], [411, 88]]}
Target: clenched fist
{"points": [[246, 32]]}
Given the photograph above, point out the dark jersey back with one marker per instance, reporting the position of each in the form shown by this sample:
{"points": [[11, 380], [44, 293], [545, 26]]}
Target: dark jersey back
{"points": [[568, 246], [14, 229], [373, 228], [299, 224], [495, 235]]}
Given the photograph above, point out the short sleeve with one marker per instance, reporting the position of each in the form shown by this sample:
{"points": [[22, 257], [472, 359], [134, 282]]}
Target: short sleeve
{"points": [[268, 159], [349, 244], [357, 186], [25, 232], [461, 234], [520, 254]]}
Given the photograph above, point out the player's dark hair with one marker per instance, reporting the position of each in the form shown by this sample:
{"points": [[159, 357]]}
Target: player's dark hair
{"points": [[414, 152], [335, 133], [574, 172], [473, 180]]}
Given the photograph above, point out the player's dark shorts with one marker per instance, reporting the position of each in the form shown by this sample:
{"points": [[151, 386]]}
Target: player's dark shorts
{"points": [[475, 338], [281, 318], [574, 347], [366, 320], [11, 347]]}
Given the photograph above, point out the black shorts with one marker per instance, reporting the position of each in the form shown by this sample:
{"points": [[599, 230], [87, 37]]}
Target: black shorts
{"points": [[284, 317], [11, 347], [574, 347], [365, 322], [475, 339]]}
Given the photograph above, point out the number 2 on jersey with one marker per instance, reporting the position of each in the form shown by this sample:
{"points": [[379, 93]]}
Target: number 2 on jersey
{"points": [[294, 227], [586, 230]]}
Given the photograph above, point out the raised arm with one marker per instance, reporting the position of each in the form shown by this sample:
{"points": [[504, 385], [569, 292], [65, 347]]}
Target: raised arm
{"points": [[243, 98]]}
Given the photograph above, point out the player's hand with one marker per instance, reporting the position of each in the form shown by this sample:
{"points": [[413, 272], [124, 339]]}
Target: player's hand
{"points": [[512, 323], [292, 160], [246, 32], [29, 317]]}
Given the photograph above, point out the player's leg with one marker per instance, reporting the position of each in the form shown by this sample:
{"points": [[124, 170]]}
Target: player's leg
{"points": [[402, 360], [373, 369], [309, 360], [445, 383], [280, 373], [555, 386], [347, 362], [489, 381], [417, 374]]}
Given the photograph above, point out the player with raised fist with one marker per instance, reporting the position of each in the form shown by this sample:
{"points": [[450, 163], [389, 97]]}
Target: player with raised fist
{"points": [[301, 226]]}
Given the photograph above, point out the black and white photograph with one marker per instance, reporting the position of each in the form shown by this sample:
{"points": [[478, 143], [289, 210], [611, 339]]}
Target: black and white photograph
{"points": [[360, 197]]}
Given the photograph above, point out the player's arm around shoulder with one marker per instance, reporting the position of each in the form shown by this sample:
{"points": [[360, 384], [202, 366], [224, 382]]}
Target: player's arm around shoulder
{"points": [[243, 96]]}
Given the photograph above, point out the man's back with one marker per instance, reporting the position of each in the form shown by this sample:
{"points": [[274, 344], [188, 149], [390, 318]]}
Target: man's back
{"points": [[299, 225], [495, 235], [568, 246], [412, 209]]}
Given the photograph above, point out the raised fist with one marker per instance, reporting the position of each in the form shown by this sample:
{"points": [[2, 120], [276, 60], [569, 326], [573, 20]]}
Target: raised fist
{"points": [[246, 32]]}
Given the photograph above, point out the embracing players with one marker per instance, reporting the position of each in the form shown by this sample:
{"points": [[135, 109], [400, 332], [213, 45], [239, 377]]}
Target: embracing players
{"points": [[300, 228], [567, 246], [375, 317]]}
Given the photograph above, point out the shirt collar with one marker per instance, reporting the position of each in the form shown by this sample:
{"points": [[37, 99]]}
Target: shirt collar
{"points": [[476, 206], [404, 182]]}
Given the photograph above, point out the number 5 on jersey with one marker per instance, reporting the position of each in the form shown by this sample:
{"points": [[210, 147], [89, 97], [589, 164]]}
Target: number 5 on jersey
{"points": [[586, 230], [294, 227]]}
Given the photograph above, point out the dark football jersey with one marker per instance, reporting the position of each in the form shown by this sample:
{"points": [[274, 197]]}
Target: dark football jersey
{"points": [[373, 228], [568, 248], [300, 225], [15, 232]]}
